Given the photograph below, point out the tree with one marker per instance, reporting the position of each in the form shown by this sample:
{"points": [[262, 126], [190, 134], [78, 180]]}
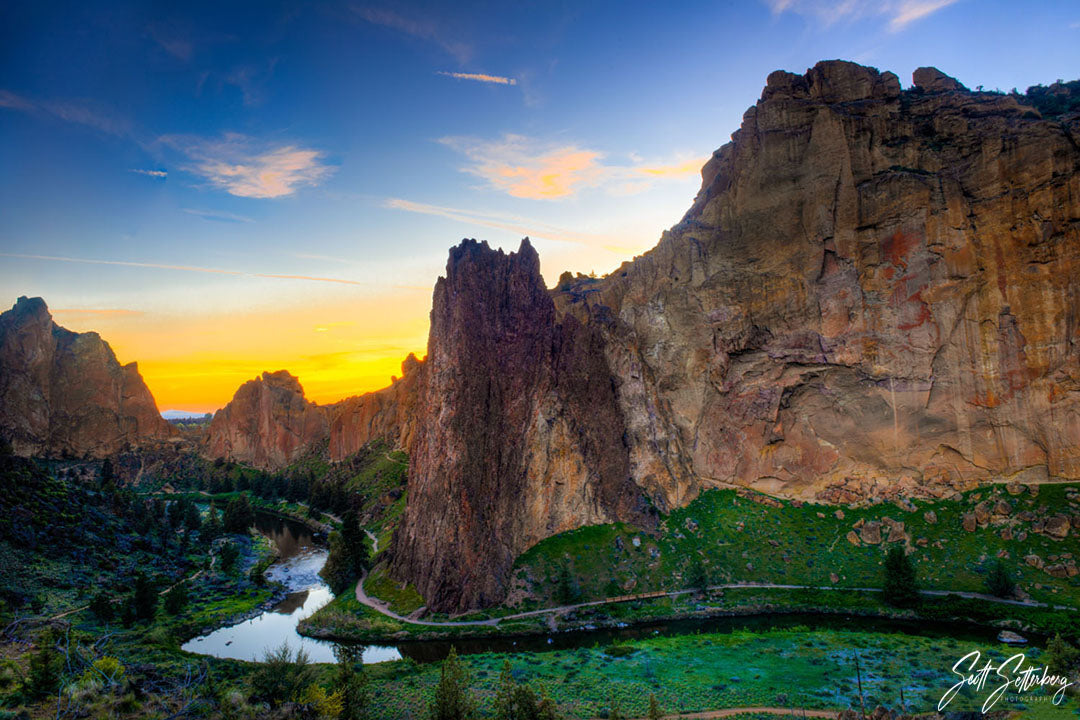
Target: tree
{"points": [[338, 570], [102, 607], [615, 713], [696, 576], [229, 554], [453, 699], [1060, 657], [192, 518], [46, 666], [211, 529], [176, 598], [517, 701], [504, 694], [999, 582], [654, 708], [900, 588], [351, 682], [282, 676], [145, 599], [566, 587], [239, 517], [355, 542]]}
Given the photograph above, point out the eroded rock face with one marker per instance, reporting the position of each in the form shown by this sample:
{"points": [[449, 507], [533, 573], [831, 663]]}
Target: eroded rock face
{"points": [[64, 393], [875, 295], [386, 414], [268, 423], [518, 434]]}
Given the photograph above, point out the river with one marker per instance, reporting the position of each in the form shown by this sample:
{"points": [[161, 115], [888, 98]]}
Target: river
{"points": [[301, 558]]}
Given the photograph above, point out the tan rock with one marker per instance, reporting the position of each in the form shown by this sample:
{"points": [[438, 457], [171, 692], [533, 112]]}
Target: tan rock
{"points": [[852, 538], [1057, 526], [930, 517], [969, 522], [870, 533], [839, 514]]}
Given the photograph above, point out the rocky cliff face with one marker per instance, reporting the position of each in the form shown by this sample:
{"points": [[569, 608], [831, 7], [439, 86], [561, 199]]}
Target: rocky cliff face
{"points": [[267, 424], [387, 414], [64, 393], [875, 293], [517, 434]]}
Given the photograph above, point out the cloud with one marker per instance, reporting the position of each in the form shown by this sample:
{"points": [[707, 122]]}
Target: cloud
{"points": [[480, 77], [182, 268], [218, 216], [151, 173], [170, 41], [527, 168], [245, 168], [510, 223], [96, 312], [424, 28], [899, 13], [76, 111]]}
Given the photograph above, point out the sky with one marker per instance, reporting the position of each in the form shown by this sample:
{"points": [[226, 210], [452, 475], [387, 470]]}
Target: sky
{"points": [[220, 189]]}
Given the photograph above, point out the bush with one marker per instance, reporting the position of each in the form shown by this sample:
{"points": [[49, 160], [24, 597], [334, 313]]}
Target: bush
{"points": [[282, 676], [453, 699], [239, 517], [145, 599], [228, 554], [176, 598], [102, 607], [46, 665]]}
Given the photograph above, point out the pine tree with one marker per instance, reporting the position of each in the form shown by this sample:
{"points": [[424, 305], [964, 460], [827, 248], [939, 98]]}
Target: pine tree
{"points": [[999, 582], [102, 608], [654, 708], [566, 588], [453, 699], [355, 543], [1060, 657], [351, 682], [46, 666], [615, 713], [145, 599], [176, 599], [211, 529], [504, 694], [239, 517], [696, 576], [900, 587]]}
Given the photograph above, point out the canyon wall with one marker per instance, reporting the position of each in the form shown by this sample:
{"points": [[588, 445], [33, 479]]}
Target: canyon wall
{"points": [[875, 293], [64, 393]]}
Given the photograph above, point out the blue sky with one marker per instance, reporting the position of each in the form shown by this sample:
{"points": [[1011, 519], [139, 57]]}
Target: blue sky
{"points": [[269, 185]]}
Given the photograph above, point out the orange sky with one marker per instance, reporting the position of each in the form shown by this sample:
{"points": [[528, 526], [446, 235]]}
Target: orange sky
{"points": [[197, 362]]}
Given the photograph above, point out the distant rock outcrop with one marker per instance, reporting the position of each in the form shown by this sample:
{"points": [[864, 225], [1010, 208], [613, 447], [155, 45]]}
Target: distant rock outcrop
{"points": [[64, 394], [267, 424], [386, 414]]}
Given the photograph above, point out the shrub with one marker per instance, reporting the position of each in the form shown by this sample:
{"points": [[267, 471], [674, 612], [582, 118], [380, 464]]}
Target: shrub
{"points": [[999, 582], [176, 598], [453, 699], [282, 676], [102, 607]]}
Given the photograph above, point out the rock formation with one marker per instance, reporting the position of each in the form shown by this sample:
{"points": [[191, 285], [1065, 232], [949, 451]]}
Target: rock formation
{"points": [[517, 436], [64, 394], [267, 424], [876, 293], [386, 414]]}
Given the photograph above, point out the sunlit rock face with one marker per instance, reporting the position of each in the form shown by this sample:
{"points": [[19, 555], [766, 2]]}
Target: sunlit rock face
{"points": [[517, 436], [268, 423], [875, 293], [386, 415], [63, 394]]}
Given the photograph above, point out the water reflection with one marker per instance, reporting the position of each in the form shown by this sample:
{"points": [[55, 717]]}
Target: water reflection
{"points": [[300, 560]]}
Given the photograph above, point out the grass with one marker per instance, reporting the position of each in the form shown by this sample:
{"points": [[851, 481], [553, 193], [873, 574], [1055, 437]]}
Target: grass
{"points": [[402, 599], [793, 668], [739, 540]]}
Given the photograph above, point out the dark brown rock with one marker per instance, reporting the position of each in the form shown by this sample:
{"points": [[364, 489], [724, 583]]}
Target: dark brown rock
{"points": [[930, 79]]}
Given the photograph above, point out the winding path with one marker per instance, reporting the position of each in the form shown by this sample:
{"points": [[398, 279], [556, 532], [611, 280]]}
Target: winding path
{"points": [[382, 607]]}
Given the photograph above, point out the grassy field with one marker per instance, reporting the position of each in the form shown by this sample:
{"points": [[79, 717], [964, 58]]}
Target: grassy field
{"points": [[739, 540], [793, 668]]}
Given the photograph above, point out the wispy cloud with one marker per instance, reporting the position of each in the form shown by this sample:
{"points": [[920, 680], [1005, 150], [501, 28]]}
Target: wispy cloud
{"points": [[510, 223], [528, 168], [898, 13], [246, 168], [218, 216], [151, 173], [170, 40], [182, 268], [423, 28], [480, 77], [96, 312], [76, 111]]}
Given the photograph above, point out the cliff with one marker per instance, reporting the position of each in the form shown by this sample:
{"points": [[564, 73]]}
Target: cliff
{"points": [[64, 393], [875, 294], [517, 432], [386, 414]]}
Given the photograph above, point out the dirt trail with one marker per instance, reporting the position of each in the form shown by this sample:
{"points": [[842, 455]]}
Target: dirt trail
{"points": [[381, 607], [730, 712]]}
